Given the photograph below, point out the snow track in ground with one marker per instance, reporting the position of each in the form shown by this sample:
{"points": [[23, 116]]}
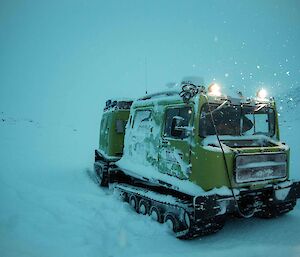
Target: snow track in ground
{"points": [[50, 207]]}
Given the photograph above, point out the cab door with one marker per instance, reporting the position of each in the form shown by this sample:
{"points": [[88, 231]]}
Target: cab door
{"points": [[104, 134], [175, 147]]}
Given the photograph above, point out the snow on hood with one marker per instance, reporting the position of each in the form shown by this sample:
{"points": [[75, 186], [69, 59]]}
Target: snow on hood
{"points": [[211, 142]]}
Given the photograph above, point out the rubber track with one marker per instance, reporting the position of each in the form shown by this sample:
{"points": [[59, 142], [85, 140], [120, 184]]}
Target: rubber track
{"points": [[196, 230]]}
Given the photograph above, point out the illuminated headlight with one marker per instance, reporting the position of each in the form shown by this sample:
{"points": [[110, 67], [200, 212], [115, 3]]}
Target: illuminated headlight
{"points": [[214, 90], [262, 93]]}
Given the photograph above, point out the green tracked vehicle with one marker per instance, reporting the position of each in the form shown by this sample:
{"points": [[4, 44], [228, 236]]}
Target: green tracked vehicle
{"points": [[193, 157]]}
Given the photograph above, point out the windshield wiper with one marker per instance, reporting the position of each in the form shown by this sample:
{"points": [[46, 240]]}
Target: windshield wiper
{"points": [[220, 106], [259, 107]]}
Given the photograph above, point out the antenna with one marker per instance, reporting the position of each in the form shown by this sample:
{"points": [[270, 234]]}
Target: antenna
{"points": [[146, 76]]}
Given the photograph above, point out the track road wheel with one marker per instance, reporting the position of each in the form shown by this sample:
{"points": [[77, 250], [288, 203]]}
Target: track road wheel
{"points": [[187, 220], [143, 207], [171, 222], [155, 214], [133, 202], [102, 176]]}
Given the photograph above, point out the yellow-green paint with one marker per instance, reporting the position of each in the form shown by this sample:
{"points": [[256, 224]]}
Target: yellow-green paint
{"points": [[111, 142], [207, 167]]}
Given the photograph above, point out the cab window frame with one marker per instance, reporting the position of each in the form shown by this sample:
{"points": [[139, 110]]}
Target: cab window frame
{"points": [[133, 119], [271, 132], [164, 133]]}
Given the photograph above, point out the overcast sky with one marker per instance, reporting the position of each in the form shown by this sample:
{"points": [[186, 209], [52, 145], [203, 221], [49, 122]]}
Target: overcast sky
{"points": [[60, 60]]}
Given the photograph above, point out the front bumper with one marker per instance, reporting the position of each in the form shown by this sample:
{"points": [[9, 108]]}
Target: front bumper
{"points": [[246, 201]]}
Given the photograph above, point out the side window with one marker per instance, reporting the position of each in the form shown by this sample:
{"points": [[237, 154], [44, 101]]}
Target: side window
{"points": [[176, 118], [142, 120], [103, 124], [120, 126]]}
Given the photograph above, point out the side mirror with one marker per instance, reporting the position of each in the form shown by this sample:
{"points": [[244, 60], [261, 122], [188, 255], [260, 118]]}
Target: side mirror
{"points": [[177, 121], [178, 130]]}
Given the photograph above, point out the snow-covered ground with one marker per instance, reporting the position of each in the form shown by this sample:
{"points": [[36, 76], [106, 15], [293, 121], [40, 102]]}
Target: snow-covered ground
{"points": [[60, 60], [50, 207]]}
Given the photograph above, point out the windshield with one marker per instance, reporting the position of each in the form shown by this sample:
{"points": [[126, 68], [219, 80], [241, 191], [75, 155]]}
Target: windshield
{"points": [[236, 120]]}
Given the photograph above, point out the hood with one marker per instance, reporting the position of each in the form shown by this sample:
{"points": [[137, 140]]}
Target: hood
{"points": [[253, 143]]}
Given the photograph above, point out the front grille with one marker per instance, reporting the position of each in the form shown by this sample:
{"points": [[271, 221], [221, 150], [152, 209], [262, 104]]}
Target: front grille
{"points": [[258, 167]]}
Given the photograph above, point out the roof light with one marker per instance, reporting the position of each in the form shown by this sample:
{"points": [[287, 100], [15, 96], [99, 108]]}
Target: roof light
{"points": [[214, 89], [262, 93]]}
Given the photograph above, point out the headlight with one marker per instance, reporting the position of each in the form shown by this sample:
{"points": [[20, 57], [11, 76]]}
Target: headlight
{"points": [[262, 93], [214, 90]]}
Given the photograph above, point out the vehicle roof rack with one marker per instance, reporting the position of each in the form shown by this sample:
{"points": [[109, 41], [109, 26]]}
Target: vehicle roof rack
{"points": [[118, 105], [165, 93]]}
